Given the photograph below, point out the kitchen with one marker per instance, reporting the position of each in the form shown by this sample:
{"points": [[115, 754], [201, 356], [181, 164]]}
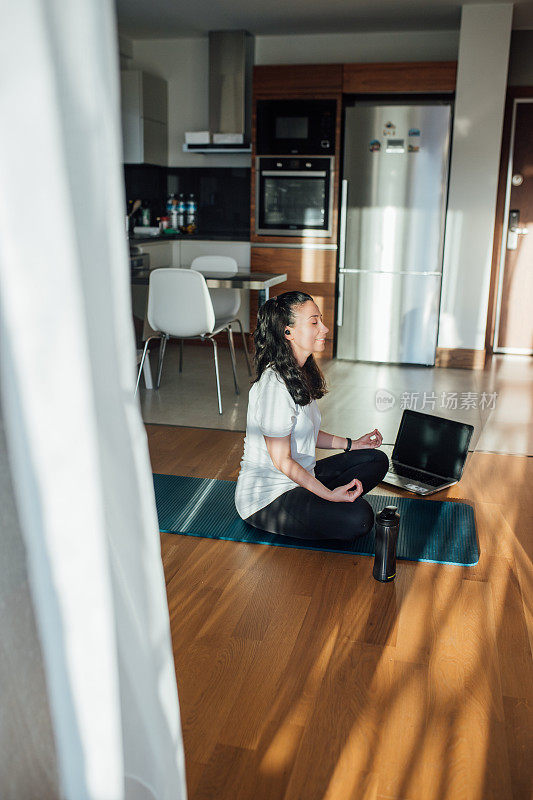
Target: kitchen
{"points": [[282, 203], [443, 321]]}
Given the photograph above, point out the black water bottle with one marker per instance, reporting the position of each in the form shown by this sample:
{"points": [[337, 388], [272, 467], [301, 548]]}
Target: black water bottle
{"points": [[386, 529]]}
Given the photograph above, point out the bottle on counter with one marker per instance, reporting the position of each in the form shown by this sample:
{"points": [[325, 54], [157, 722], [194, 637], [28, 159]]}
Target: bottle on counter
{"points": [[133, 214], [182, 213], [192, 214], [174, 216], [145, 215], [170, 203]]}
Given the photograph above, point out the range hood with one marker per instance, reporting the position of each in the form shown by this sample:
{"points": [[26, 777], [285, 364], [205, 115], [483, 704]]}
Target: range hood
{"points": [[231, 59]]}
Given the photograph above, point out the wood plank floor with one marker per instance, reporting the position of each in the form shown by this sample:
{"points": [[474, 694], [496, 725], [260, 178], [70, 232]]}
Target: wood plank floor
{"points": [[302, 678]]}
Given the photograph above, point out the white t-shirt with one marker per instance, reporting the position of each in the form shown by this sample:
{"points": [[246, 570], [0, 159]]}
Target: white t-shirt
{"points": [[273, 412]]}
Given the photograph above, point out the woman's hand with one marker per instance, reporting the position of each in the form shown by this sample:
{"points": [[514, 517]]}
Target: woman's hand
{"points": [[347, 493], [372, 439]]}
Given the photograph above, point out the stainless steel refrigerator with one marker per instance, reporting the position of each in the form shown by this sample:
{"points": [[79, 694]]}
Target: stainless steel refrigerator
{"points": [[393, 206]]}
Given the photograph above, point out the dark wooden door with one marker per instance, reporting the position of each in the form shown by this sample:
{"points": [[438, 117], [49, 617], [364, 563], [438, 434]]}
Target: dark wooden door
{"points": [[514, 322]]}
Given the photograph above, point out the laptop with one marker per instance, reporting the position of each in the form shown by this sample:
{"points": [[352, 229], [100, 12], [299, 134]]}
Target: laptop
{"points": [[429, 453]]}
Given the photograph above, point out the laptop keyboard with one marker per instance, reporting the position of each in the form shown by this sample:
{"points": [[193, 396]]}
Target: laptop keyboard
{"points": [[408, 472]]}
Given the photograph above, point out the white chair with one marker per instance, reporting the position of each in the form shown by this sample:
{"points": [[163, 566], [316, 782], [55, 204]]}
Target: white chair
{"points": [[179, 305], [147, 372], [226, 302]]}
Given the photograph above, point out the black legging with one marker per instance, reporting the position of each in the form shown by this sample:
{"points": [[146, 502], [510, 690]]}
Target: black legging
{"points": [[303, 515]]}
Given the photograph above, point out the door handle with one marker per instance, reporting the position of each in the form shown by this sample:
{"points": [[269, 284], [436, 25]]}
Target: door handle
{"points": [[519, 231]]}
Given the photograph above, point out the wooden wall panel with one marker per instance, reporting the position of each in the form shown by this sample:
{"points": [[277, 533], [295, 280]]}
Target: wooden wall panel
{"points": [[311, 271], [424, 76], [335, 211], [297, 80], [310, 266], [314, 271], [460, 358]]}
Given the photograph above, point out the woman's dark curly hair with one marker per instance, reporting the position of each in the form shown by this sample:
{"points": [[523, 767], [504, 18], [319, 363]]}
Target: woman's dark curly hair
{"points": [[273, 349]]}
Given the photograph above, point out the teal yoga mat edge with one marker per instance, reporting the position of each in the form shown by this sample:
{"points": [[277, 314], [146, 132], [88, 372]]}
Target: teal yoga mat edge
{"points": [[319, 549], [351, 552]]}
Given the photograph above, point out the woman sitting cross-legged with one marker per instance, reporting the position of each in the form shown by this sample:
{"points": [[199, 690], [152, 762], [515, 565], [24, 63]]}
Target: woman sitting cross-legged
{"points": [[282, 488]]}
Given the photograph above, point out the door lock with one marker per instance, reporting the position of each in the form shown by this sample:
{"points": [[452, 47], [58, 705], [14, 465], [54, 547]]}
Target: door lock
{"points": [[514, 230]]}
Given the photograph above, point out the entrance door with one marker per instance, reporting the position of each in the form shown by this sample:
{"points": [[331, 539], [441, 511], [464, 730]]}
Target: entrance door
{"points": [[513, 332]]}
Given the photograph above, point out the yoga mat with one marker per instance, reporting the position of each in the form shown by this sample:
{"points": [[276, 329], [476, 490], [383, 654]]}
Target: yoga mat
{"points": [[441, 532]]}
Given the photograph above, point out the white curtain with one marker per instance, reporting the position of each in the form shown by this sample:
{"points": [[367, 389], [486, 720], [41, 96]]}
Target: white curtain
{"points": [[76, 445]]}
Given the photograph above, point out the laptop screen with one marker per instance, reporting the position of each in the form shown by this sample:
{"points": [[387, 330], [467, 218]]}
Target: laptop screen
{"points": [[432, 443]]}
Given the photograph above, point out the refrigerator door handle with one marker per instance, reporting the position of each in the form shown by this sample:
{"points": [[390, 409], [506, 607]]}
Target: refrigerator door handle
{"points": [[342, 237], [340, 307], [342, 250]]}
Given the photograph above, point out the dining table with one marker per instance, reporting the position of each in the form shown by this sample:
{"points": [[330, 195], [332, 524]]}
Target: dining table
{"points": [[261, 282]]}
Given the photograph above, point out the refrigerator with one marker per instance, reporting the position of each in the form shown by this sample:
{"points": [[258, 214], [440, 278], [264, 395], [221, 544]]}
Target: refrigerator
{"points": [[393, 208]]}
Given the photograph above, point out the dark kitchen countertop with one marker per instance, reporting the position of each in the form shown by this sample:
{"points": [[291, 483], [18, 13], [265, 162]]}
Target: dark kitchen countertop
{"points": [[201, 236]]}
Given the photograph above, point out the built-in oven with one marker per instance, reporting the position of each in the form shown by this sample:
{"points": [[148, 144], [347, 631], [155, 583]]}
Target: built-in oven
{"points": [[296, 127], [294, 196]]}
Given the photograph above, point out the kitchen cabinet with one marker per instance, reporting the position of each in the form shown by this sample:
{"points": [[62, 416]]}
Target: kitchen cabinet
{"points": [[181, 252], [162, 254], [240, 251], [311, 263], [290, 80], [422, 76], [308, 270], [144, 106]]}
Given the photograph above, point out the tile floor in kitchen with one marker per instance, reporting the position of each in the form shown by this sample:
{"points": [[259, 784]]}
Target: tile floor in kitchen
{"points": [[361, 396]]}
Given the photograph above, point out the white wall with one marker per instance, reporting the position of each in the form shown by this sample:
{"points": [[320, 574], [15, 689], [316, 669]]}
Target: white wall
{"points": [[184, 64], [479, 107]]}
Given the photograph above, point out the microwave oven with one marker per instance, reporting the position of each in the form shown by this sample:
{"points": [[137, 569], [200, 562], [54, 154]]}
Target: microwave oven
{"points": [[296, 127]]}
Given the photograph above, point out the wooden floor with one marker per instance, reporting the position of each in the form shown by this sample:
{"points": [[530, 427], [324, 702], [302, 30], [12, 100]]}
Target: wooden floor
{"points": [[301, 678]]}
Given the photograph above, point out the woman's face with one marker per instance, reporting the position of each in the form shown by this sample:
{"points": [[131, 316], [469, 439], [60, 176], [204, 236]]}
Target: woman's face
{"points": [[308, 334]]}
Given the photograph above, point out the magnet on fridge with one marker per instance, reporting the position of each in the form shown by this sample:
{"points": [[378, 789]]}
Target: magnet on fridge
{"points": [[389, 129], [374, 146], [413, 132], [413, 148]]}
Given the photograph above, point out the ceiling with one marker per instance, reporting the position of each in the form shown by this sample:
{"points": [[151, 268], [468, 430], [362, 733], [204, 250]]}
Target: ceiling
{"points": [[169, 19]]}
